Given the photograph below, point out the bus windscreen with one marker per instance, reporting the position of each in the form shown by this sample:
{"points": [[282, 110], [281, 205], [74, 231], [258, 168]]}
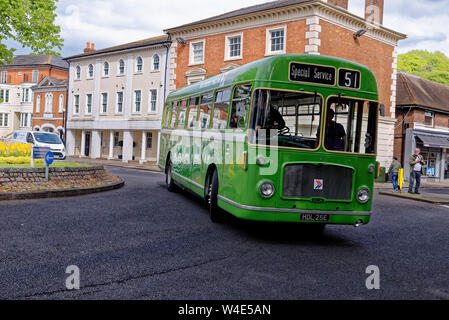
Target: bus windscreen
{"points": [[292, 118]]}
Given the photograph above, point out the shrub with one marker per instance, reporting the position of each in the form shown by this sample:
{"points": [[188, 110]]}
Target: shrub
{"points": [[15, 149], [18, 160]]}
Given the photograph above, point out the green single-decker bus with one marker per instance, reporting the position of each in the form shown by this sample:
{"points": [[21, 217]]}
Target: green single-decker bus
{"points": [[288, 138]]}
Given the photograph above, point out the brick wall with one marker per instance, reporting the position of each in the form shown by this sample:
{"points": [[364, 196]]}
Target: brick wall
{"points": [[17, 179], [339, 42], [254, 41], [14, 78], [411, 117], [55, 108], [441, 120], [340, 3]]}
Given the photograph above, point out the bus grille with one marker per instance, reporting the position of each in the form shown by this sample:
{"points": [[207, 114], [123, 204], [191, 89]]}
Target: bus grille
{"points": [[313, 181]]}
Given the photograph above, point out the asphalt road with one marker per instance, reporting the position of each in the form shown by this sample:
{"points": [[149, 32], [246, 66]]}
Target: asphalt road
{"points": [[142, 242]]}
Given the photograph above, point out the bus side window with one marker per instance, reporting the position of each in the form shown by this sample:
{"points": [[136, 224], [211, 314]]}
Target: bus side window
{"points": [[221, 109], [174, 114], [193, 112], [240, 107], [182, 114], [205, 109]]}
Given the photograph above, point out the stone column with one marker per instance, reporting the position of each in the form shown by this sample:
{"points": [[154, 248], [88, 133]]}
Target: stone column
{"points": [[70, 143], [127, 146], [96, 145], [144, 147], [111, 145], [158, 145], [83, 143]]}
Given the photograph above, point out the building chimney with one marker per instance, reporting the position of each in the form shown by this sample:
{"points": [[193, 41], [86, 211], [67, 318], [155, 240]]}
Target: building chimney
{"points": [[87, 48], [341, 3], [374, 11], [90, 47]]}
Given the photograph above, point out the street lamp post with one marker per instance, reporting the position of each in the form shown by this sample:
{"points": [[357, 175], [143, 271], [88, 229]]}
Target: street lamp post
{"points": [[64, 122]]}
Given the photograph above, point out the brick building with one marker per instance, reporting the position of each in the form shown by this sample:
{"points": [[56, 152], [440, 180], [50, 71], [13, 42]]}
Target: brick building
{"points": [[16, 95], [422, 113], [50, 103], [224, 42]]}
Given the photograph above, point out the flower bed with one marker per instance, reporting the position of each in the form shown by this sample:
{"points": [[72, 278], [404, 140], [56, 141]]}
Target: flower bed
{"points": [[15, 153], [15, 149]]}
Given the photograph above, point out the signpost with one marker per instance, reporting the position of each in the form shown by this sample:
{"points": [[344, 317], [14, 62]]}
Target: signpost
{"points": [[38, 153], [49, 157]]}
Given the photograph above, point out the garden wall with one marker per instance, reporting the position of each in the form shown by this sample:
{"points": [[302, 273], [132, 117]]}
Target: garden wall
{"points": [[24, 179]]}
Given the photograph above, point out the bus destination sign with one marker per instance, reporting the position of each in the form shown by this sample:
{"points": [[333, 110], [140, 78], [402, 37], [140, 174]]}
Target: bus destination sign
{"points": [[349, 79], [311, 73]]}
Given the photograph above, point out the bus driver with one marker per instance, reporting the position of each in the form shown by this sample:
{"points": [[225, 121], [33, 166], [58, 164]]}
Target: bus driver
{"points": [[266, 120]]}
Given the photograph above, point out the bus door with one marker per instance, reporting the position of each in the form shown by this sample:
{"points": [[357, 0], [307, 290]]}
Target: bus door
{"points": [[191, 131], [234, 145], [184, 141]]}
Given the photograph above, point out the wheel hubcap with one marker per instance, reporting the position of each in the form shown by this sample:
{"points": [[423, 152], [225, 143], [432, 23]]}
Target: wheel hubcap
{"points": [[208, 194]]}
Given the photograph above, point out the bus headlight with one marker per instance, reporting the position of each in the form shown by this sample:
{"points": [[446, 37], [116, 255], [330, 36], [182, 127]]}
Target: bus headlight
{"points": [[371, 168], [267, 190], [363, 195]]}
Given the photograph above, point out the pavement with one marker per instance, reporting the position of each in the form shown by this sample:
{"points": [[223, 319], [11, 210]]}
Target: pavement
{"points": [[147, 166], [430, 191]]}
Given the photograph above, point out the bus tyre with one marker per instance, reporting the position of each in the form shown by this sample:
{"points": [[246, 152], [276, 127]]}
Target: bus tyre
{"points": [[211, 198], [168, 178]]}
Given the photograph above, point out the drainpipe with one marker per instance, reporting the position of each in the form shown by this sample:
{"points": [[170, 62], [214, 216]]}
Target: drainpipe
{"points": [[167, 47]]}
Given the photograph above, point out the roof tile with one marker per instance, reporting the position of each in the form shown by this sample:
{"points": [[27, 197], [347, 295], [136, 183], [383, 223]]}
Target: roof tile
{"points": [[416, 91]]}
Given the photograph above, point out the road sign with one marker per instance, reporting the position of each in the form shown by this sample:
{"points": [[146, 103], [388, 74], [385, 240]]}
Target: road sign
{"points": [[49, 157], [40, 152]]}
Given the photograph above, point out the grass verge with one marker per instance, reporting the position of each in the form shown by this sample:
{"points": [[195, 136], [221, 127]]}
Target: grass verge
{"points": [[56, 164]]}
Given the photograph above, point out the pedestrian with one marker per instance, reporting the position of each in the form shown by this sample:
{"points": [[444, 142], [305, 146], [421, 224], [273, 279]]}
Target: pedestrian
{"points": [[394, 173], [417, 164]]}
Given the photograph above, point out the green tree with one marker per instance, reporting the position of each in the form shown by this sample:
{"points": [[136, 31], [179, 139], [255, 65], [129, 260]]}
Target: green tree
{"points": [[30, 23], [428, 65]]}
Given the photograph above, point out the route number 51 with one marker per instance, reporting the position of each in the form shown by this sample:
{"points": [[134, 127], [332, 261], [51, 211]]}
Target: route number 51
{"points": [[349, 79]]}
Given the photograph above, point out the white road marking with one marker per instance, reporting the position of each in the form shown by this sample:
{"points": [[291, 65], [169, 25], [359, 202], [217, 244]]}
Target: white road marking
{"points": [[446, 206]]}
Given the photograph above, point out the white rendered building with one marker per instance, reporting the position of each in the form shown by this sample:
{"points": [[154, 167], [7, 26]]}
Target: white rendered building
{"points": [[115, 101]]}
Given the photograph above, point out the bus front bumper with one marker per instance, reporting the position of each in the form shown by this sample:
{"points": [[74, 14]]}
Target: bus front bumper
{"points": [[292, 215]]}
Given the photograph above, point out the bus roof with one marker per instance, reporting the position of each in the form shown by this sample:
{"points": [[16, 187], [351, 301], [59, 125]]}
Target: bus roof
{"points": [[277, 68]]}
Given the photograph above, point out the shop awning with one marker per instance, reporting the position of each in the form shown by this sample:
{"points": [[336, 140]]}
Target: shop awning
{"points": [[434, 141]]}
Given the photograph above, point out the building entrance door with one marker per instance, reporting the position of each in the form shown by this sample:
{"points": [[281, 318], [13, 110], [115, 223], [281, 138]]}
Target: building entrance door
{"points": [[87, 145]]}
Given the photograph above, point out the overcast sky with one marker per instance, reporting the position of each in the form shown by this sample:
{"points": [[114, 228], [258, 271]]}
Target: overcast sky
{"points": [[112, 22]]}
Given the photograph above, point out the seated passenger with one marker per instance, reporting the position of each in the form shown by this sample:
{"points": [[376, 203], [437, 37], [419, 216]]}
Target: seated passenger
{"points": [[335, 138]]}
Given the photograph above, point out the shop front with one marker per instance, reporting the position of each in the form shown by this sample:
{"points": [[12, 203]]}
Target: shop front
{"points": [[434, 146]]}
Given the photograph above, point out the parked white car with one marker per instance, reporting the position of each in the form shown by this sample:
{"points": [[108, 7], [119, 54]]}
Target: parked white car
{"points": [[42, 139]]}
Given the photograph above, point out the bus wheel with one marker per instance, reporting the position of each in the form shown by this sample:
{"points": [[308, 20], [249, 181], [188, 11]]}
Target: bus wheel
{"points": [[168, 178], [211, 198]]}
